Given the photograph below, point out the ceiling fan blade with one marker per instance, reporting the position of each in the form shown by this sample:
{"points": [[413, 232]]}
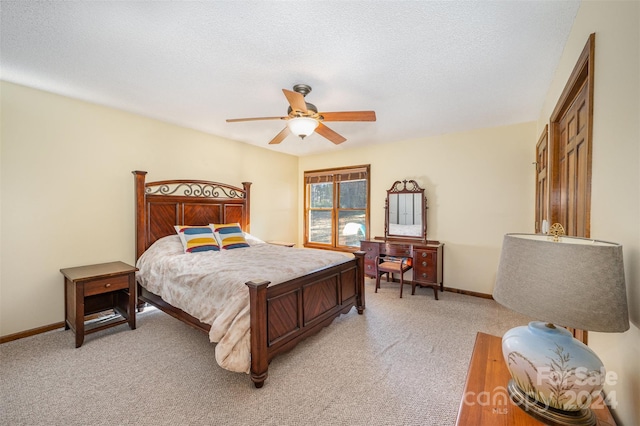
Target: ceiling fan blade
{"points": [[296, 100], [334, 137], [349, 116], [280, 136], [235, 120]]}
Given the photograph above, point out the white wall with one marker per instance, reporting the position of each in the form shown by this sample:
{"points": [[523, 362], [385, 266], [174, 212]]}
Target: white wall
{"points": [[67, 191], [479, 186], [615, 194]]}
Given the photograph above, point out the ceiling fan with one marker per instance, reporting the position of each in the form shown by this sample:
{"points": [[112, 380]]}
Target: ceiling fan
{"points": [[303, 118]]}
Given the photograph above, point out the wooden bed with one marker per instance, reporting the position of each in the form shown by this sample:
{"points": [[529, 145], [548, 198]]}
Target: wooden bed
{"points": [[281, 315]]}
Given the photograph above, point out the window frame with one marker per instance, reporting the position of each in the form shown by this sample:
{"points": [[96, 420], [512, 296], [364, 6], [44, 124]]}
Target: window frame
{"points": [[335, 176]]}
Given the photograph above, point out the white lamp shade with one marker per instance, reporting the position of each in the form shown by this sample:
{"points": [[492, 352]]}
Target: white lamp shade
{"points": [[302, 126]]}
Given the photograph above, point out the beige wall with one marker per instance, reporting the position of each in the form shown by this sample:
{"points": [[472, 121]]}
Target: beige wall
{"points": [[65, 161], [67, 191], [479, 186], [615, 208]]}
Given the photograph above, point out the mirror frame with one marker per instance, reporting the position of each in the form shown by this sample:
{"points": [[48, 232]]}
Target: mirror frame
{"points": [[406, 187]]}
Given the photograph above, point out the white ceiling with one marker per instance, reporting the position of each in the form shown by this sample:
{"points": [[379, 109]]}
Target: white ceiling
{"points": [[425, 67]]}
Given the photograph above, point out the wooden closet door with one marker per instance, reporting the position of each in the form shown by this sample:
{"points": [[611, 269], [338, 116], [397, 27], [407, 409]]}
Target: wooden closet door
{"points": [[574, 163]]}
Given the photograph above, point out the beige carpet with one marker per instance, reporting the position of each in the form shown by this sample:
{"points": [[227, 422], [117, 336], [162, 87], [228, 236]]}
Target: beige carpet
{"points": [[403, 362]]}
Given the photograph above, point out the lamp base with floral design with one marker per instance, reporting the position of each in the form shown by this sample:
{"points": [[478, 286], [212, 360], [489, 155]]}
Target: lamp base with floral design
{"points": [[548, 415], [554, 376]]}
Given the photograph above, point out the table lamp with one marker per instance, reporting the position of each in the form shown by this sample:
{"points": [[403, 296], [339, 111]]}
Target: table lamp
{"points": [[564, 282]]}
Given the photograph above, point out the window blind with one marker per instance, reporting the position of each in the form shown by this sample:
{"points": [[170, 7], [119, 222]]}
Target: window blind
{"points": [[337, 175]]}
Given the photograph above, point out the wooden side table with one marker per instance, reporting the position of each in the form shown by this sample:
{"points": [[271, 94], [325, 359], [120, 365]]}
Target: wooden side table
{"points": [[96, 288], [485, 400]]}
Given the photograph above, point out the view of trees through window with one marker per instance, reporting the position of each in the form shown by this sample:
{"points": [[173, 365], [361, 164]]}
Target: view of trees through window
{"points": [[336, 207]]}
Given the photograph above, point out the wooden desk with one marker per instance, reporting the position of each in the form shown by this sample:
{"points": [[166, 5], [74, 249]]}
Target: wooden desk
{"points": [[428, 259], [485, 400]]}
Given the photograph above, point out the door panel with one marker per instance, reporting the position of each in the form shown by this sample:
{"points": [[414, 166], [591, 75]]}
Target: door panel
{"points": [[573, 162], [542, 180]]}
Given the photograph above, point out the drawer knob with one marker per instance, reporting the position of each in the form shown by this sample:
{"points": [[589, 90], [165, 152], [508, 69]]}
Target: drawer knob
{"points": [[424, 254], [424, 275], [424, 263], [107, 285]]}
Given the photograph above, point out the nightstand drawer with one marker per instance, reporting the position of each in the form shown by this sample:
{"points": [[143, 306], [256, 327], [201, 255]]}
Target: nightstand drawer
{"points": [[105, 285]]}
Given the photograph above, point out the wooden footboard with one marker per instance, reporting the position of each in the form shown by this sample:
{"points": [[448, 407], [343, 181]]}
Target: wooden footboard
{"points": [[284, 314]]}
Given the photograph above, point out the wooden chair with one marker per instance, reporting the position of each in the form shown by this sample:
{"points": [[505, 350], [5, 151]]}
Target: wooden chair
{"points": [[398, 260]]}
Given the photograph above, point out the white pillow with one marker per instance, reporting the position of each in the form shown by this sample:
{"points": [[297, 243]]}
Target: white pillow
{"points": [[252, 240]]}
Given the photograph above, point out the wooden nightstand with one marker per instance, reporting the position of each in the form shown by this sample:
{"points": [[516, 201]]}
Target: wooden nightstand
{"points": [[485, 400], [97, 288]]}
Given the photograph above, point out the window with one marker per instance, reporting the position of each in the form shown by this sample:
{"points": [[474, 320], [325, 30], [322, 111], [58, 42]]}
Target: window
{"points": [[336, 208]]}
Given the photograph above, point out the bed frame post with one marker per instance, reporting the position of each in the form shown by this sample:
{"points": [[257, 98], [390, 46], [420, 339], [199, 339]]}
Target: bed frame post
{"points": [[258, 330], [141, 211], [247, 214], [360, 302]]}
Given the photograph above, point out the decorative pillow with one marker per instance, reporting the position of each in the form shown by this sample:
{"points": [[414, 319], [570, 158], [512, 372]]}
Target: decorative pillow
{"points": [[252, 240], [230, 236], [197, 238]]}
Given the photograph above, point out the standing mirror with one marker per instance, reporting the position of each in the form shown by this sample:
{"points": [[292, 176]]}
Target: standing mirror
{"points": [[406, 211]]}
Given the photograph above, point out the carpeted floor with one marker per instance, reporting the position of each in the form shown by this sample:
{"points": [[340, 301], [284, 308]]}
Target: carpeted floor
{"points": [[403, 362]]}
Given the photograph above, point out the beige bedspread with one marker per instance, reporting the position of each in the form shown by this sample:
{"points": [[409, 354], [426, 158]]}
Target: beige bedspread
{"points": [[211, 286]]}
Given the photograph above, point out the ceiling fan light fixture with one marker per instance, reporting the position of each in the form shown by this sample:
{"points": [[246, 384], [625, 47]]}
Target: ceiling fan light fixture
{"points": [[302, 126], [303, 118]]}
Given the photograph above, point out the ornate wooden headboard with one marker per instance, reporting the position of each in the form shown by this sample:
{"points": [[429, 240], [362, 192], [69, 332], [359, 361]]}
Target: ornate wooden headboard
{"points": [[161, 205]]}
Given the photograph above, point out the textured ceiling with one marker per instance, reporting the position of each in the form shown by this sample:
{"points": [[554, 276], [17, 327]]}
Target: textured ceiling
{"points": [[425, 67]]}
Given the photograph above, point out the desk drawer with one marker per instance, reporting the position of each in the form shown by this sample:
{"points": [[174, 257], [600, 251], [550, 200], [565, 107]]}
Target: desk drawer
{"points": [[106, 285], [425, 265], [399, 250], [424, 276], [371, 251]]}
